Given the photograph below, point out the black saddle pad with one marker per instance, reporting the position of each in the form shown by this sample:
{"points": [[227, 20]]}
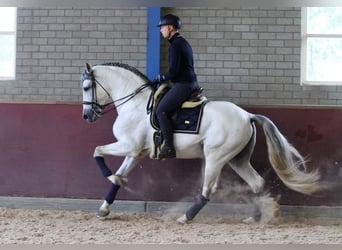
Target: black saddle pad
{"points": [[184, 120], [188, 120]]}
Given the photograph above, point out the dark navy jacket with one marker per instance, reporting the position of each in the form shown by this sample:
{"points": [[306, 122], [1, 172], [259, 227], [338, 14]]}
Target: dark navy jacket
{"points": [[181, 63]]}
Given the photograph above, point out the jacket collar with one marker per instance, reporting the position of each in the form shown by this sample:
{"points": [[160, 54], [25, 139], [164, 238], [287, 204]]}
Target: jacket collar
{"points": [[174, 37]]}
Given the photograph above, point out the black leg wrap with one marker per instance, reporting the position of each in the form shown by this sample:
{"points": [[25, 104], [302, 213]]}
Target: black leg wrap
{"points": [[110, 197], [103, 167], [198, 205]]}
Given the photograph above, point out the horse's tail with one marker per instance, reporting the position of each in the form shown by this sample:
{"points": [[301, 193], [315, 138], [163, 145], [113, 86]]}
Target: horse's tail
{"points": [[287, 162]]}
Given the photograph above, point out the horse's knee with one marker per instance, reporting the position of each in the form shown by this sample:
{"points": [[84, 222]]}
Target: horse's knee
{"points": [[97, 152]]}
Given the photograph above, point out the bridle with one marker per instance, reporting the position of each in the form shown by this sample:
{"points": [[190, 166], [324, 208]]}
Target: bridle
{"points": [[98, 108]]}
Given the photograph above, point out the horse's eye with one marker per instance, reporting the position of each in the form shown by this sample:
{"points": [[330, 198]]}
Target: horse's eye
{"points": [[86, 89]]}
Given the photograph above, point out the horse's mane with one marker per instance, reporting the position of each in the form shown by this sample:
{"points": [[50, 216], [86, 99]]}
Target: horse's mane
{"points": [[127, 67]]}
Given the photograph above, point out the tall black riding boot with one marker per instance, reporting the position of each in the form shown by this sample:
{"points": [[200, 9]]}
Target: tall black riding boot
{"points": [[168, 150]]}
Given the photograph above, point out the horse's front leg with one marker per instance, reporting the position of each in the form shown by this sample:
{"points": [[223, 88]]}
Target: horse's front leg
{"points": [[119, 178]]}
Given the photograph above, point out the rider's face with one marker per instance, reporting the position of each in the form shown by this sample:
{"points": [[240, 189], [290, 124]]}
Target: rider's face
{"points": [[166, 30]]}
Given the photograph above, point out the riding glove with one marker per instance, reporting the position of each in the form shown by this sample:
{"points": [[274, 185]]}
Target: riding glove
{"points": [[155, 83], [159, 78]]}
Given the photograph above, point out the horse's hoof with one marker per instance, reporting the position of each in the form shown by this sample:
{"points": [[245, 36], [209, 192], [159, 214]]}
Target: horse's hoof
{"points": [[182, 220], [102, 214], [249, 220]]}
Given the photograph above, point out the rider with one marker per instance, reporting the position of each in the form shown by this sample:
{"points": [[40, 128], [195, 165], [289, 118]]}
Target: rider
{"points": [[182, 75]]}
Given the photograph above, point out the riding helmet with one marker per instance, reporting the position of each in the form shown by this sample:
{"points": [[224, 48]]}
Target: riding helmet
{"points": [[170, 19]]}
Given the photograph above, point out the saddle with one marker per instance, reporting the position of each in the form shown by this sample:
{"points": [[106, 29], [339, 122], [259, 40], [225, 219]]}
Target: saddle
{"points": [[187, 119]]}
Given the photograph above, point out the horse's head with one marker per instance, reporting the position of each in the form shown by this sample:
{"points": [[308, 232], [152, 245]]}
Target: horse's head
{"points": [[98, 87], [94, 95]]}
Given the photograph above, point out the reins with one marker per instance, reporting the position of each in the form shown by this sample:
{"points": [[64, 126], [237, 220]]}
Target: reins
{"points": [[94, 104]]}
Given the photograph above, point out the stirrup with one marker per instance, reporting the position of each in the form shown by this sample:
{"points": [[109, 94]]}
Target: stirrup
{"points": [[167, 152]]}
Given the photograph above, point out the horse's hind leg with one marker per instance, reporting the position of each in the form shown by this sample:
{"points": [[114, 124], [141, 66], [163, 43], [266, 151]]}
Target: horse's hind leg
{"points": [[213, 167], [254, 180], [242, 166]]}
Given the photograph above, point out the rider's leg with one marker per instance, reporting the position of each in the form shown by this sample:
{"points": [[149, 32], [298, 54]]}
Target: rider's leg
{"points": [[168, 150], [173, 99]]}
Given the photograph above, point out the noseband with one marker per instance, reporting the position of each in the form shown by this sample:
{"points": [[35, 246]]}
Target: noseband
{"points": [[95, 106]]}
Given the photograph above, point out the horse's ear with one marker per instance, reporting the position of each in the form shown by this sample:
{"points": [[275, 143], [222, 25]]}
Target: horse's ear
{"points": [[88, 68]]}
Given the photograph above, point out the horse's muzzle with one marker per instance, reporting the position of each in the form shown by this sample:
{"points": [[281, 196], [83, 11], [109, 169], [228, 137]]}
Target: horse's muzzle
{"points": [[86, 117], [89, 115]]}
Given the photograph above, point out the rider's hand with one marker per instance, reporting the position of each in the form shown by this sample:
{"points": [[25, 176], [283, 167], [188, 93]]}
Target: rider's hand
{"points": [[159, 78], [155, 83]]}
